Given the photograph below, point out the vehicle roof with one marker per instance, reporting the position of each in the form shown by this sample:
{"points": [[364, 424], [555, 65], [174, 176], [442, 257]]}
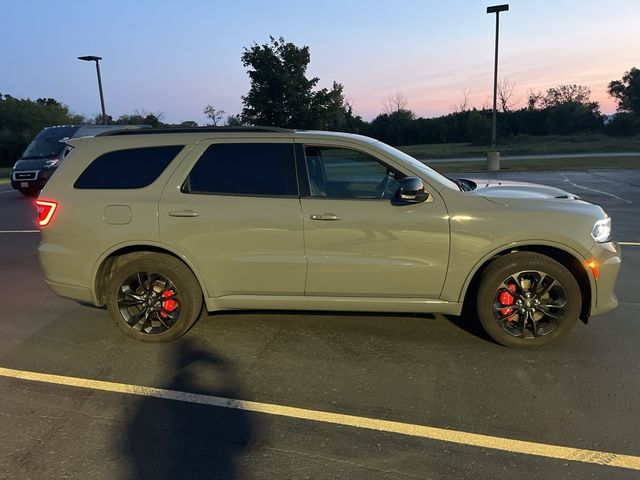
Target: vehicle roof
{"points": [[263, 131], [175, 131], [93, 130]]}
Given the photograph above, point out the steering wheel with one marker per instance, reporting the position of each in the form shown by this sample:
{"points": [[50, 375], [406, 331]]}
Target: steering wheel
{"points": [[381, 189]]}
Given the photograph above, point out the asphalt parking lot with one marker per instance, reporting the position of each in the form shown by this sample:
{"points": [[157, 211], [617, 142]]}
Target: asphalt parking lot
{"points": [[374, 396]]}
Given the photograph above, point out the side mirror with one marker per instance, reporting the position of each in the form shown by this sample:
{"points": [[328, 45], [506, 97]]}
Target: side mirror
{"points": [[412, 190]]}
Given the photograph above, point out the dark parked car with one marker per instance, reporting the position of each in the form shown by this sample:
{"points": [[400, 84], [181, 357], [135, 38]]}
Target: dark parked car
{"points": [[47, 150]]}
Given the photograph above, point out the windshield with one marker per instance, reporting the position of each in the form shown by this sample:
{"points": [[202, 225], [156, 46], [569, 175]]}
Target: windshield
{"points": [[418, 165], [47, 142]]}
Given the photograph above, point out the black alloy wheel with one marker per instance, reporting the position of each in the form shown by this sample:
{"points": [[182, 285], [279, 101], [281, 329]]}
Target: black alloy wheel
{"points": [[149, 302], [529, 304], [527, 300], [153, 297]]}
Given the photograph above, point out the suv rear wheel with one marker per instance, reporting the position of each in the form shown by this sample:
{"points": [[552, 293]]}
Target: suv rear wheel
{"points": [[153, 297], [527, 300]]}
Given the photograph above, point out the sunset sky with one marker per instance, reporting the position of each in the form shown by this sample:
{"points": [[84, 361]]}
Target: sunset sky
{"points": [[176, 57]]}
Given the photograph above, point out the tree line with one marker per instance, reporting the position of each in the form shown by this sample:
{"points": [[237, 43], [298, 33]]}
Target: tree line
{"points": [[282, 95]]}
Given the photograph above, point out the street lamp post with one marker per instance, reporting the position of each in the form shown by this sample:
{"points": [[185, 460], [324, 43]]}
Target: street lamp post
{"points": [[493, 157], [93, 58]]}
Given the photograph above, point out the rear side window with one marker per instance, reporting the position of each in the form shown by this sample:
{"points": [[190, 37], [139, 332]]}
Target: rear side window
{"points": [[266, 169], [125, 169]]}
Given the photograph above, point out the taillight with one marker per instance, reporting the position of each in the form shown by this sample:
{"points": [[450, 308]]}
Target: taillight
{"points": [[46, 209]]}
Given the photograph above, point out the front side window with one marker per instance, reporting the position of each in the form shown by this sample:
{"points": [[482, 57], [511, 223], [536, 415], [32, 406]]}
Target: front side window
{"points": [[344, 173], [264, 169], [127, 169]]}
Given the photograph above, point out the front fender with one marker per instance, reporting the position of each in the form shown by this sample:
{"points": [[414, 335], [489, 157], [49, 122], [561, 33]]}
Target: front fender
{"points": [[458, 289]]}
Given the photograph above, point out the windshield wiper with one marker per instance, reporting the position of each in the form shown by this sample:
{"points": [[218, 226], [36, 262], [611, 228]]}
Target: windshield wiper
{"points": [[458, 183]]}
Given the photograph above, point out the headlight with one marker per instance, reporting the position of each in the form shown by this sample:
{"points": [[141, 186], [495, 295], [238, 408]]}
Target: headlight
{"points": [[51, 163], [602, 230], [15, 164]]}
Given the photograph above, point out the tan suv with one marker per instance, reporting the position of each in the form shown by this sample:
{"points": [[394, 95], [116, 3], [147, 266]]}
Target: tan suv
{"points": [[155, 223]]}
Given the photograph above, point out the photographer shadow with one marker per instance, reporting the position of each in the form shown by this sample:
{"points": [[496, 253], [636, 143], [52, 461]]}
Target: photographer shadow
{"points": [[170, 439]]}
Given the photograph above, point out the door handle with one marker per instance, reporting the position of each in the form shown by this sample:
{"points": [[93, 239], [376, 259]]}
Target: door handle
{"points": [[183, 213], [331, 217]]}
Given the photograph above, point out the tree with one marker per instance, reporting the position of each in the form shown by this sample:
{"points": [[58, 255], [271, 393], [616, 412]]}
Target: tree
{"points": [[213, 114], [352, 123], [395, 103], [281, 95], [139, 117], [22, 119], [534, 100], [505, 95], [479, 127], [233, 121], [395, 128], [559, 95], [566, 94], [563, 110], [627, 91], [463, 104]]}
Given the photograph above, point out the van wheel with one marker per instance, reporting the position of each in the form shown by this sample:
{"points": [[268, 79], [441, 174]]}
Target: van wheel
{"points": [[527, 300], [29, 192], [153, 297]]}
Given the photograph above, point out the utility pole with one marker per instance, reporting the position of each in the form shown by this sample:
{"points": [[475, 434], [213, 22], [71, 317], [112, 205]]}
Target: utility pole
{"points": [[493, 157], [93, 58]]}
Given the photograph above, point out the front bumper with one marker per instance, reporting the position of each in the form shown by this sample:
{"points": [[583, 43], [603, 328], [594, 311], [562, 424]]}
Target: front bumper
{"points": [[608, 260], [31, 179]]}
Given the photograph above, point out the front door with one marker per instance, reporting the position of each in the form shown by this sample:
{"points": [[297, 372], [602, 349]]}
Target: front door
{"points": [[358, 240]]}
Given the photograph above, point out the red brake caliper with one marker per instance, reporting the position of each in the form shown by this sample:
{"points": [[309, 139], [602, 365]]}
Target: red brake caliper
{"points": [[506, 299], [168, 305]]}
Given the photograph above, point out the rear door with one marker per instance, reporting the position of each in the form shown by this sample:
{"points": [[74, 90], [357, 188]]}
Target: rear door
{"points": [[232, 208]]}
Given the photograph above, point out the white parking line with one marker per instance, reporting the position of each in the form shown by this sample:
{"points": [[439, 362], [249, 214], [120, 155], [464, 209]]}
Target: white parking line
{"points": [[7, 191], [566, 179], [630, 244], [433, 433], [19, 231]]}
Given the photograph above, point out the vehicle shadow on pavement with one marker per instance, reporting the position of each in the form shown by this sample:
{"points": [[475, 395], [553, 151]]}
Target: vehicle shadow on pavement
{"points": [[469, 323], [174, 439]]}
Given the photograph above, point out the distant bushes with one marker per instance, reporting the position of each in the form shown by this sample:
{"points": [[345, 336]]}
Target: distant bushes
{"points": [[21, 120]]}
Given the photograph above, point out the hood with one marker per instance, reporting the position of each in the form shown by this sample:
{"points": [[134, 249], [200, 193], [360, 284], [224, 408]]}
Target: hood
{"points": [[31, 164], [505, 189]]}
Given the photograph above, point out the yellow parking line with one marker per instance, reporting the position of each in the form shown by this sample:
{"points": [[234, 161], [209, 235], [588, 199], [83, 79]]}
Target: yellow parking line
{"points": [[630, 244], [422, 431]]}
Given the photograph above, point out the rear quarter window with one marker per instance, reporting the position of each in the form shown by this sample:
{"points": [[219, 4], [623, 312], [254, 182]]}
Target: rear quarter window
{"points": [[127, 169]]}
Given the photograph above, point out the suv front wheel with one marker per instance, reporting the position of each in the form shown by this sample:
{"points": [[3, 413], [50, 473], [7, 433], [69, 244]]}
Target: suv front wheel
{"points": [[153, 297], [526, 299]]}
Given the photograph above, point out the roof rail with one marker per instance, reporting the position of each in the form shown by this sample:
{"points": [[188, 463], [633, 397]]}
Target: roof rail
{"points": [[154, 131]]}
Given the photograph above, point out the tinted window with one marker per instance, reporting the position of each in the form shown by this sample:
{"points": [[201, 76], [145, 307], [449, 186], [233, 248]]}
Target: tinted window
{"points": [[245, 169], [344, 173], [131, 168]]}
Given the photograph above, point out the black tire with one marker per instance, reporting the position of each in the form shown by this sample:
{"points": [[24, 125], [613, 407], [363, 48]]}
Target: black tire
{"points": [[29, 192], [140, 292], [527, 300]]}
